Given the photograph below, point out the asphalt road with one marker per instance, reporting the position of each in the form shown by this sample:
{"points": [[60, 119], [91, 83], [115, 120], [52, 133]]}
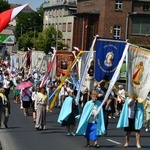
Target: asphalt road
{"points": [[21, 135]]}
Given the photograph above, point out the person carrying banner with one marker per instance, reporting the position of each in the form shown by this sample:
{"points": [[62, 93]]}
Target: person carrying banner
{"points": [[147, 115], [63, 93], [120, 99], [102, 89], [131, 119], [68, 112], [89, 126]]}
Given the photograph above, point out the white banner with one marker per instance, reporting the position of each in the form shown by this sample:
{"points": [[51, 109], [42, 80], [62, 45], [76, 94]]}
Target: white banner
{"points": [[139, 72], [88, 80], [37, 60]]}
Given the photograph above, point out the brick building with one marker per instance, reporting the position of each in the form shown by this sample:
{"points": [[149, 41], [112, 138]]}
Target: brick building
{"points": [[119, 19]]}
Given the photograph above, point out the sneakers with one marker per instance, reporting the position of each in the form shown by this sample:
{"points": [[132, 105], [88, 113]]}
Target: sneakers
{"points": [[68, 134], [146, 129], [73, 134]]}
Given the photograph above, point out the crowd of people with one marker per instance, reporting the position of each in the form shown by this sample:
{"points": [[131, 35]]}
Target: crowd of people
{"points": [[90, 125]]}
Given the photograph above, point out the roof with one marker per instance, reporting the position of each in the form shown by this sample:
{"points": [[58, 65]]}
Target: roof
{"points": [[26, 9]]}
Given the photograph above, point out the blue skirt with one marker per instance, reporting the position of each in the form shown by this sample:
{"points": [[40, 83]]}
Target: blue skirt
{"points": [[91, 132]]}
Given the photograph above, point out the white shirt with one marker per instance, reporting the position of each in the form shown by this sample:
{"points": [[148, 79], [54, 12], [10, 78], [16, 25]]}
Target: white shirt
{"points": [[131, 109], [121, 95], [6, 84], [64, 92]]}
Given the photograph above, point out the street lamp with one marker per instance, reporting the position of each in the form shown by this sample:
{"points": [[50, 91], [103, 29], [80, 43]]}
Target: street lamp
{"points": [[33, 35], [56, 22], [127, 23], [57, 34]]}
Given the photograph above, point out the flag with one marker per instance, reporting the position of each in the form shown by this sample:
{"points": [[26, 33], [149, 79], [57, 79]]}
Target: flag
{"points": [[62, 81], [12, 63], [108, 54], [8, 15], [114, 78], [85, 68], [50, 66], [138, 72], [74, 79], [27, 58]]}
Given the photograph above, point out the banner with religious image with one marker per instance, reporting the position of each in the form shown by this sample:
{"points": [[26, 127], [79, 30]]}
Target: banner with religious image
{"points": [[108, 55], [88, 81], [63, 60], [139, 72], [37, 60]]}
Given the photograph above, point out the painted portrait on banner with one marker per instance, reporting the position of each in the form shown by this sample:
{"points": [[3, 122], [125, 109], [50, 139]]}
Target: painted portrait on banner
{"points": [[108, 54], [138, 72], [63, 60]]}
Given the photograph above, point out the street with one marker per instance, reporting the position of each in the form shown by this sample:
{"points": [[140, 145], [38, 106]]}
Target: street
{"points": [[21, 134]]}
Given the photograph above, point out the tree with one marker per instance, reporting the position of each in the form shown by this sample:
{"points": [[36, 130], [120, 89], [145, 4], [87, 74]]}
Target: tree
{"points": [[27, 40], [28, 21], [47, 39], [4, 5]]}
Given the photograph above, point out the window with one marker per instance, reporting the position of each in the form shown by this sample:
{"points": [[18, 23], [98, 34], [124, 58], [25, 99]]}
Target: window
{"points": [[117, 31], [64, 27], [118, 5], [146, 8], [141, 25], [68, 42], [69, 26], [63, 41]]}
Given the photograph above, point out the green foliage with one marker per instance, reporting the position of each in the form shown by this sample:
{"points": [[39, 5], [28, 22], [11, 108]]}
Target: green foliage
{"points": [[29, 32], [4, 5], [48, 38], [27, 40], [28, 21]]}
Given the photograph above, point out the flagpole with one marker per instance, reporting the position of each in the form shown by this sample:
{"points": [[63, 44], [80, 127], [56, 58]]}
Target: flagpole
{"points": [[62, 81]]}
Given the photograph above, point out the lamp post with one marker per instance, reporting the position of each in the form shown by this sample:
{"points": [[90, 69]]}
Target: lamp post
{"points": [[56, 33], [33, 35], [34, 39], [127, 23], [56, 23]]}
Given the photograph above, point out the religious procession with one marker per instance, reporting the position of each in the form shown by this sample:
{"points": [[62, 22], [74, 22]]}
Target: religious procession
{"points": [[83, 86]]}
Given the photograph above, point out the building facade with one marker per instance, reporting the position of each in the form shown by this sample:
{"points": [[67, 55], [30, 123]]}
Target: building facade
{"points": [[59, 13], [119, 19]]}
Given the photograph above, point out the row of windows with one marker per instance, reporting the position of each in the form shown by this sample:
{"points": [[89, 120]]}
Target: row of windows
{"points": [[118, 6], [140, 26], [63, 27]]}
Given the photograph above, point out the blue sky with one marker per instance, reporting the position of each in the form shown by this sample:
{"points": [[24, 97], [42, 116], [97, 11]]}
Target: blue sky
{"points": [[32, 3]]}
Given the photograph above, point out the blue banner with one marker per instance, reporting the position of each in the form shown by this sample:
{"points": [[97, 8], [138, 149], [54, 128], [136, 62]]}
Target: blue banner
{"points": [[108, 55]]}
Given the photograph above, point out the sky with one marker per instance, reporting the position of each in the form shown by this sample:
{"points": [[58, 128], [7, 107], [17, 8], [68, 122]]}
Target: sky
{"points": [[32, 3]]}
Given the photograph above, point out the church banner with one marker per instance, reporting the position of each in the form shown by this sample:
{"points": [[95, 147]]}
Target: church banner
{"points": [[108, 55], [138, 72], [37, 60], [63, 60]]}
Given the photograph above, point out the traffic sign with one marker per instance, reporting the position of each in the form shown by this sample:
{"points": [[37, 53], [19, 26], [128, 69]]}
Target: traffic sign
{"points": [[7, 39]]}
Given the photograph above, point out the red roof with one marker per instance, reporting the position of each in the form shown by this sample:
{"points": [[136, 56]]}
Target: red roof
{"points": [[27, 8]]}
